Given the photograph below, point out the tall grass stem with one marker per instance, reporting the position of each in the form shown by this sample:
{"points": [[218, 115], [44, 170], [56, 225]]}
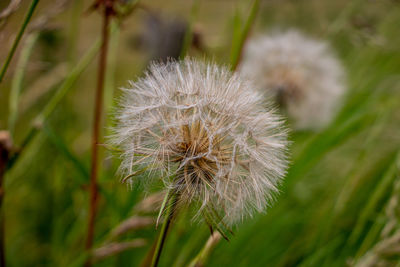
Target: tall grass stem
{"points": [[241, 35], [4, 158], [205, 252], [18, 39], [68, 83], [17, 81]]}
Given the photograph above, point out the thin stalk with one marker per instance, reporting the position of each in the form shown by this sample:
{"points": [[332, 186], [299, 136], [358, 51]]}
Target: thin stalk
{"points": [[369, 208], [3, 165], [98, 108], [13, 110], [17, 39], [169, 213], [2, 240], [241, 38], [5, 149], [16, 84], [353, 178], [55, 100], [205, 252]]}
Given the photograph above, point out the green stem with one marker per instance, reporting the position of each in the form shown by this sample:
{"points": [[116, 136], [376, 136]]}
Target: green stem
{"points": [[18, 38], [205, 252], [68, 83], [353, 178], [16, 84], [371, 206], [240, 35], [169, 213]]}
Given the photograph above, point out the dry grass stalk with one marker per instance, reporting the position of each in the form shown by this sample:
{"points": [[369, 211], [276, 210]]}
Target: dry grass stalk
{"points": [[132, 223], [115, 248], [6, 146], [150, 204]]}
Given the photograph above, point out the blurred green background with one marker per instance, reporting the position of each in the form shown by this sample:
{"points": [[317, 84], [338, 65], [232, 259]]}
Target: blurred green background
{"points": [[336, 204]]}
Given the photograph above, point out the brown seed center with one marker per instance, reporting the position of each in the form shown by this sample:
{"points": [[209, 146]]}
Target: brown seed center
{"points": [[201, 155]]}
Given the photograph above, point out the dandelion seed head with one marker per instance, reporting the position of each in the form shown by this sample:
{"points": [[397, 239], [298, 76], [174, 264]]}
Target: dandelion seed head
{"points": [[206, 133], [300, 73]]}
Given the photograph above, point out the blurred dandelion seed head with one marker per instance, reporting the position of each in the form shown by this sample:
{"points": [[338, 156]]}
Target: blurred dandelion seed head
{"points": [[301, 74], [206, 133]]}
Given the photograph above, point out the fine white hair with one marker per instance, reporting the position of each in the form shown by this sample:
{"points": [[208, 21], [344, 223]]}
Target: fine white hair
{"points": [[299, 71]]}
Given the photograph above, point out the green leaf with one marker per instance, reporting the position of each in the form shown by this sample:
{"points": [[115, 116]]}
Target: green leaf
{"points": [[16, 84], [369, 209], [18, 38], [240, 33]]}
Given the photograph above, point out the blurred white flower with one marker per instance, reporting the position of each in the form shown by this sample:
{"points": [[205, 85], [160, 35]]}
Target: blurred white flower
{"points": [[301, 74], [206, 133]]}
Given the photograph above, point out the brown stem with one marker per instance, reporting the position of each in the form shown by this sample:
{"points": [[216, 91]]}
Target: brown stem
{"points": [[5, 151], [2, 247], [96, 125]]}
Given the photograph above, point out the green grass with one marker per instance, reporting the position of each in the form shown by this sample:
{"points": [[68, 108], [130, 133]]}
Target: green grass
{"points": [[331, 209]]}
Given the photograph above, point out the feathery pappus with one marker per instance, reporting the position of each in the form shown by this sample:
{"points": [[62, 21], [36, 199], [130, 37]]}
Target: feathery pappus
{"points": [[207, 134], [300, 73]]}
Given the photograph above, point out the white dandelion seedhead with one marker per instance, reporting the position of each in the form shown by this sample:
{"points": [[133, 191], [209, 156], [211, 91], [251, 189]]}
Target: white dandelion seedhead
{"points": [[302, 74], [206, 134]]}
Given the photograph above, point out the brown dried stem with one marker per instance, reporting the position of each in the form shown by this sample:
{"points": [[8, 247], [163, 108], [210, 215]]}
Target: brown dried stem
{"points": [[116, 248], [5, 152], [98, 110]]}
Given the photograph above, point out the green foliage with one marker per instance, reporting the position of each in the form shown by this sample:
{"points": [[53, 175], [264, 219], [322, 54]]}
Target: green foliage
{"points": [[331, 210]]}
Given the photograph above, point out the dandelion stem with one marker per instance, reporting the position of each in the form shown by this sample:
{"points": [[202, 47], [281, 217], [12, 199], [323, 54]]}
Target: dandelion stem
{"points": [[205, 252], [17, 39], [108, 11], [169, 213]]}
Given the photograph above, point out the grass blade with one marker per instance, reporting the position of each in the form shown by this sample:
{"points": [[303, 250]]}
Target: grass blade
{"points": [[17, 39], [387, 179], [69, 81], [16, 85], [240, 35]]}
